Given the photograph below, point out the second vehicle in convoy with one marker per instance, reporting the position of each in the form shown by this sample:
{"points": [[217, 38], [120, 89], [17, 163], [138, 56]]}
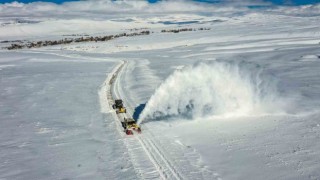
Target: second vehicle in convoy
{"points": [[129, 125]]}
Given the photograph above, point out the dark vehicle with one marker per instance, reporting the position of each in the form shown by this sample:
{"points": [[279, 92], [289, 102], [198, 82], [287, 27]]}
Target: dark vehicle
{"points": [[118, 104]]}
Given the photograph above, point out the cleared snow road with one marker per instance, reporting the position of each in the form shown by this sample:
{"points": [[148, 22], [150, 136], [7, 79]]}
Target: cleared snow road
{"points": [[148, 160]]}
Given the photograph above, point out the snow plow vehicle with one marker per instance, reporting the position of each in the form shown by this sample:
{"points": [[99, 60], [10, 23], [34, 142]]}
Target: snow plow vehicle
{"points": [[129, 125], [118, 104]]}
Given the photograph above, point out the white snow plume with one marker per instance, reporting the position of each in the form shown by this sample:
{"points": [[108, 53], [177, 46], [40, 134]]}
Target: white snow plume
{"points": [[224, 89]]}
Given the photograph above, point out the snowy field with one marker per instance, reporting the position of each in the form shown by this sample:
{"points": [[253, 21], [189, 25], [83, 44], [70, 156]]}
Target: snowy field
{"points": [[238, 101]]}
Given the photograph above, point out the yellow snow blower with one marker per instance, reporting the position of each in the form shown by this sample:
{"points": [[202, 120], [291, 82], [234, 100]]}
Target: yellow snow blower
{"points": [[129, 125]]}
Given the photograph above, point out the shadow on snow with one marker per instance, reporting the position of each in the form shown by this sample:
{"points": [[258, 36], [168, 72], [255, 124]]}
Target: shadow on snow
{"points": [[138, 110]]}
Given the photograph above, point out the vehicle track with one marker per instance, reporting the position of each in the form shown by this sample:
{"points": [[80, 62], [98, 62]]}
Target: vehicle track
{"points": [[140, 144]]}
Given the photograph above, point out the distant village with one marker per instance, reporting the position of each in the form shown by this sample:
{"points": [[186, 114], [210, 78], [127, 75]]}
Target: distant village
{"points": [[86, 38]]}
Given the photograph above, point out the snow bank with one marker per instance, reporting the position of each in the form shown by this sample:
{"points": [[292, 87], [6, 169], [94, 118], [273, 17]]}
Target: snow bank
{"points": [[224, 89]]}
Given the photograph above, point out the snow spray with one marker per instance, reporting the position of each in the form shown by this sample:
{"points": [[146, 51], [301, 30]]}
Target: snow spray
{"points": [[215, 88]]}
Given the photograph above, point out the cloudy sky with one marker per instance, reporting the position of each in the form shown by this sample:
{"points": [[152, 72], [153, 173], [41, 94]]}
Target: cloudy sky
{"points": [[117, 7], [276, 2]]}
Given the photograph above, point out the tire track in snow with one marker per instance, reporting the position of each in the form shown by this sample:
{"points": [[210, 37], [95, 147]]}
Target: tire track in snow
{"points": [[136, 153], [158, 159], [139, 146]]}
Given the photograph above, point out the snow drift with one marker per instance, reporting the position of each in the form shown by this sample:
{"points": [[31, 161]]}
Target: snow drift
{"points": [[224, 89]]}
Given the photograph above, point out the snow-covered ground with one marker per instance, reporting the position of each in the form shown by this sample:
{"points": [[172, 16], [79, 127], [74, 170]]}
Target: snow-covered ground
{"points": [[238, 101]]}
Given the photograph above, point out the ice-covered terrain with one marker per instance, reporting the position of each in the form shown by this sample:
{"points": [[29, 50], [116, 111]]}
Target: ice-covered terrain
{"points": [[238, 101]]}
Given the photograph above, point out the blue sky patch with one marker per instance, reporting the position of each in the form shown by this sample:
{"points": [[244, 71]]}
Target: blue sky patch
{"points": [[277, 2]]}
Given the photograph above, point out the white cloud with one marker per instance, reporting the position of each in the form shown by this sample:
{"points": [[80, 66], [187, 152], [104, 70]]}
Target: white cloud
{"points": [[306, 10], [246, 3], [112, 7], [87, 8]]}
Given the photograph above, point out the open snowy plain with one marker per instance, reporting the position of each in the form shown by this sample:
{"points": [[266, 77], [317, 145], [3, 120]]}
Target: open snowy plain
{"points": [[238, 100]]}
